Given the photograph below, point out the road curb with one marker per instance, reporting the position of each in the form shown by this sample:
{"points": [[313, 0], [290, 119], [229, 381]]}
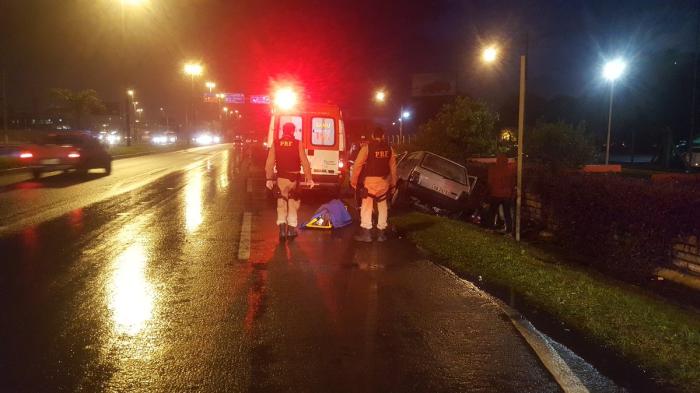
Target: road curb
{"points": [[552, 361]]}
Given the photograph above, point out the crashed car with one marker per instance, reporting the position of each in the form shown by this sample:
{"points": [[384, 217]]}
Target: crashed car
{"points": [[434, 182]]}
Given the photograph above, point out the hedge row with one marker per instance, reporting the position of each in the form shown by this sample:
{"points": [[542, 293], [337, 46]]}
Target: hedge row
{"points": [[623, 224]]}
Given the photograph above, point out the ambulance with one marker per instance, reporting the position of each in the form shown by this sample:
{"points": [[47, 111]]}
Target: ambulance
{"points": [[321, 131]]}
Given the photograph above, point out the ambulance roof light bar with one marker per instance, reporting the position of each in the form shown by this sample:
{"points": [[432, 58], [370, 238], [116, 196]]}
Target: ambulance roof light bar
{"points": [[286, 98]]}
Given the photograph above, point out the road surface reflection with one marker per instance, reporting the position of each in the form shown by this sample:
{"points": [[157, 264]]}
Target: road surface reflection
{"points": [[131, 296], [193, 199]]}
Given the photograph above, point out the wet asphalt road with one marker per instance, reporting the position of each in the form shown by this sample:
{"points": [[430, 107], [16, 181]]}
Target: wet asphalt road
{"points": [[144, 291]]}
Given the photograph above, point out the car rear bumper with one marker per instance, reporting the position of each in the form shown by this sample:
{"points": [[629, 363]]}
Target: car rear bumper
{"points": [[435, 198], [53, 167]]}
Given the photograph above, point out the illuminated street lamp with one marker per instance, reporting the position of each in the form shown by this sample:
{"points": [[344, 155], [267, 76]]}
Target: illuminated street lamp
{"points": [[165, 115], [380, 96], [403, 115], [489, 55], [612, 70], [210, 86], [192, 70], [123, 5]]}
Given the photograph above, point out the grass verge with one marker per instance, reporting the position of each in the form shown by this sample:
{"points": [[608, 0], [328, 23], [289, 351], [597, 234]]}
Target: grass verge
{"points": [[661, 338]]}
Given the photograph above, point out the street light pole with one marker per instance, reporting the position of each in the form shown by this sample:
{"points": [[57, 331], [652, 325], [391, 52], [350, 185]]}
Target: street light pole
{"points": [[127, 109], [612, 70], [4, 104], [521, 129], [607, 143], [401, 125]]}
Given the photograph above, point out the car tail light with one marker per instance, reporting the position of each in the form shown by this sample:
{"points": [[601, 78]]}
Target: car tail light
{"points": [[414, 178], [26, 154], [341, 164], [74, 154]]}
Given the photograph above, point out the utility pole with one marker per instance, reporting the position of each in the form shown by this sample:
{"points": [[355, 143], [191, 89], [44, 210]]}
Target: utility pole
{"points": [[521, 131], [693, 109], [4, 105]]}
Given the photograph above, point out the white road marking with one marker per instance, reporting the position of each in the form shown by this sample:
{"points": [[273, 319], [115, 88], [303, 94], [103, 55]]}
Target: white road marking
{"points": [[244, 243]]}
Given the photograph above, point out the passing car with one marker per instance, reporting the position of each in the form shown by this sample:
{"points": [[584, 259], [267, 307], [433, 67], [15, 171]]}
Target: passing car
{"points": [[238, 142], [66, 151], [435, 181]]}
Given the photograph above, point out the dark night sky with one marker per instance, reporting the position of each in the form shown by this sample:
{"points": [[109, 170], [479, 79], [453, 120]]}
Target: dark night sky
{"points": [[338, 50]]}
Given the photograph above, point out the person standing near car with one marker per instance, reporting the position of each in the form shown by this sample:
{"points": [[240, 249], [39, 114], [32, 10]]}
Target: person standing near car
{"points": [[501, 184], [288, 156], [378, 161]]}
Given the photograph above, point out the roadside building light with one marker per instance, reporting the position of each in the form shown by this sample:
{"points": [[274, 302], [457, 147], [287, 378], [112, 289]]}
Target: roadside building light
{"points": [[210, 86], [130, 92]]}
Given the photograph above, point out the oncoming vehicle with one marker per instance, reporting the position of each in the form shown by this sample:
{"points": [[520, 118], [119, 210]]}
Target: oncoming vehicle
{"points": [[66, 151], [434, 180], [321, 131]]}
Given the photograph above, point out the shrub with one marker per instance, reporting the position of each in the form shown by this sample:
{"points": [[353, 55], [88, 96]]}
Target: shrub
{"points": [[559, 145], [461, 129], [623, 224]]}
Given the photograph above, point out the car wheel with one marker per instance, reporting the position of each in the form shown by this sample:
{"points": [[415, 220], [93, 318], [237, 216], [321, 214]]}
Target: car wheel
{"points": [[108, 167], [36, 173], [82, 171]]}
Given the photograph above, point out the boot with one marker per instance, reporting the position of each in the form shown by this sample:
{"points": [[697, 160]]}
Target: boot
{"points": [[291, 232], [365, 235], [381, 235], [283, 231]]}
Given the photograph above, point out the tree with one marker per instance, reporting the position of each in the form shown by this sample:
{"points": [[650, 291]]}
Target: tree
{"points": [[461, 129], [77, 103], [559, 145]]}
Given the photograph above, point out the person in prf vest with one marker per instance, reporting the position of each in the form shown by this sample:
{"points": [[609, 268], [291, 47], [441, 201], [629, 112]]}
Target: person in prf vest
{"points": [[287, 154], [379, 162]]}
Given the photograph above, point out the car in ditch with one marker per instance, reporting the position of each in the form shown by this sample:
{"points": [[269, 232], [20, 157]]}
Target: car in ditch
{"points": [[435, 182]]}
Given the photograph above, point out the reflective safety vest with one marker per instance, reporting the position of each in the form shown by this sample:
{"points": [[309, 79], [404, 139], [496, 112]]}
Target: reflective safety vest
{"points": [[287, 158], [378, 157]]}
